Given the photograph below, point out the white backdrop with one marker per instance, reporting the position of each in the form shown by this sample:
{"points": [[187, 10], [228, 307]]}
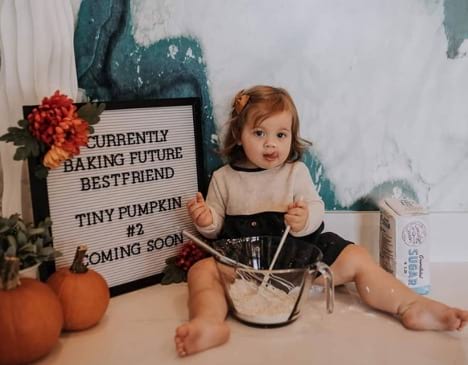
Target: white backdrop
{"points": [[375, 89], [37, 58]]}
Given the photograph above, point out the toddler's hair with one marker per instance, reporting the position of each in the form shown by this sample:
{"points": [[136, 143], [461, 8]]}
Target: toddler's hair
{"points": [[259, 103]]}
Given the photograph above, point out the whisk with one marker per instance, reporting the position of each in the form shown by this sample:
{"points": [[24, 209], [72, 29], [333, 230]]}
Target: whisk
{"points": [[249, 274]]}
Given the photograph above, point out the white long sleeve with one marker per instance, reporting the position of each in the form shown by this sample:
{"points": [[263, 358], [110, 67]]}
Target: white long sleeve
{"points": [[239, 192]]}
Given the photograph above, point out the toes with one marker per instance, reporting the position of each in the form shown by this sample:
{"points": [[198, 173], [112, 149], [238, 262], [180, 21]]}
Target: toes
{"points": [[181, 352], [463, 316], [180, 348], [182, 331], [181, 334], [462, 325], [460, 319], [454, 324]]}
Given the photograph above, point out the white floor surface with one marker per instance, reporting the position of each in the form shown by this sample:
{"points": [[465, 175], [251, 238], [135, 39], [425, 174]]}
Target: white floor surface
{"points": [[138, 329]]}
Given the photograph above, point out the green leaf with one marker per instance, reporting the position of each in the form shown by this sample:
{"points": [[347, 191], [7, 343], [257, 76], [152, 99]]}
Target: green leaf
{"points": [[20, 224], [11, 240], [42, 148], [10, 135], [28, 248], [38, 230], [21, 154], [11, 251], [39, 242], [34, 147], [173, 274], [91, 111], [23, 123], [21, 238], [48, 253], [41, 172], [28, 262], [47, 222], [171, 260], [16, 135], [13, 220]]}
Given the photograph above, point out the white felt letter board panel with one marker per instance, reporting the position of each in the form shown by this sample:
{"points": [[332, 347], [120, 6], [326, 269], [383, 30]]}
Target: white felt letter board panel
{"points": [[125, 194]]}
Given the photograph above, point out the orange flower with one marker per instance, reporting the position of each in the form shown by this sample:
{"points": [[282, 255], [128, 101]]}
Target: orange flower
{"points": [[71, 133], [54, 157], [56, 123], [58, 129], [46, 117]]}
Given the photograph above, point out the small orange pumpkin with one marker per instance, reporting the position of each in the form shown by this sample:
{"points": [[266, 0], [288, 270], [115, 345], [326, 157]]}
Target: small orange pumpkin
{"points": [[83, 292], [30, 317]]}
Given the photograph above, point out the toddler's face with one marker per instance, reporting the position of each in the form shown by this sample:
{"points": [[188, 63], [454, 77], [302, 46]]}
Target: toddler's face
{"points": [[268, 145]]}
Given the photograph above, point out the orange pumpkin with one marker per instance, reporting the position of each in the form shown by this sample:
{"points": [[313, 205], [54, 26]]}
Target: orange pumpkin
{"points": [[30, 317], [84, 293]]}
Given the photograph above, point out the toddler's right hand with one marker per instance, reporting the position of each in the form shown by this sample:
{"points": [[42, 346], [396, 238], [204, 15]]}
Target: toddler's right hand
{"points": [[199, 211]]}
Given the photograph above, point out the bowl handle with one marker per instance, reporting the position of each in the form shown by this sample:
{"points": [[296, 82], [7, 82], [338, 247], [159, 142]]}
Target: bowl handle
{"points": [[327, 274]]}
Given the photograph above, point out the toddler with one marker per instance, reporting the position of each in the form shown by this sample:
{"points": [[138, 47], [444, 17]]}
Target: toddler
{"points": [[265, 187]]}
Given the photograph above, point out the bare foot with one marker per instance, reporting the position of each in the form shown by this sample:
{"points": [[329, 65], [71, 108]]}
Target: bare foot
{"points": [[198, 335], [427, 314]]}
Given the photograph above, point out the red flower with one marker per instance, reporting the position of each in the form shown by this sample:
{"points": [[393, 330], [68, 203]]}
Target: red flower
{"points": [[70, 134], [188, 255], [58, 130], [56, 123], [44, 119]]}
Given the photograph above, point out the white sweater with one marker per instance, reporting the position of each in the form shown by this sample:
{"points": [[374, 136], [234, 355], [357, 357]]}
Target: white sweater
{"points": [[235, 191]]}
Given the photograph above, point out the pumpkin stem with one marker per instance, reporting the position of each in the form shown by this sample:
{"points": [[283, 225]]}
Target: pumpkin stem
{"points": [[9, 273], [78, 266]]}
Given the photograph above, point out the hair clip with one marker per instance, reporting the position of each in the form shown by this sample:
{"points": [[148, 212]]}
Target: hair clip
{"points": [[240, 102]]}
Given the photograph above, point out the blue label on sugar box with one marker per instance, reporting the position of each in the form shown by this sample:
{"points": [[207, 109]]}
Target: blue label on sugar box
{"points": [[422, 289], [416, 269]]}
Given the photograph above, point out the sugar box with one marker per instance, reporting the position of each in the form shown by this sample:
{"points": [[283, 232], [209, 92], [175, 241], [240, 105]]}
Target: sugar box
{"points": [[404, 242]]}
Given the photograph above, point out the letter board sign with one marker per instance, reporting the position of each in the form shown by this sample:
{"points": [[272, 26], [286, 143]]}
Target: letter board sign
{"points": [[125, 194]]}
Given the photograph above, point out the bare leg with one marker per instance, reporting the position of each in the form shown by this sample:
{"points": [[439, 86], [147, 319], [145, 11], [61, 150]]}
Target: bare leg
{"points": [[383, 291], [207, 310]]}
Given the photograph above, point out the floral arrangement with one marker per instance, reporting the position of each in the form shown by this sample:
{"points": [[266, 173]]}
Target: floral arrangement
{"points": [[54, 131], [177, 266]]}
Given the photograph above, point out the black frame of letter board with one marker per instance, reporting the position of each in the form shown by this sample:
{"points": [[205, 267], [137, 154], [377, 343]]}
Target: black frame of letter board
{"points": [[40, 194]]}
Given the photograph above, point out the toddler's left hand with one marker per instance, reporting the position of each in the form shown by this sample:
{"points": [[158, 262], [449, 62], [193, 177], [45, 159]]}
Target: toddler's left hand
{"points": [[297, 215]]}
